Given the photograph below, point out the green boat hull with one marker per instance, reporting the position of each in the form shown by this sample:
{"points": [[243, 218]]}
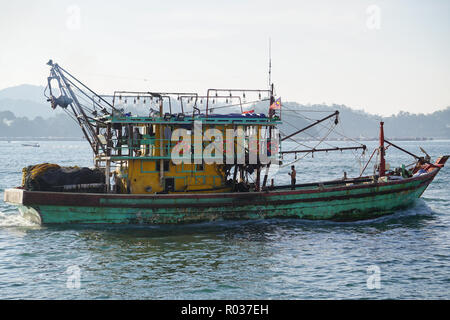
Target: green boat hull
{"points": [[339, 202]]}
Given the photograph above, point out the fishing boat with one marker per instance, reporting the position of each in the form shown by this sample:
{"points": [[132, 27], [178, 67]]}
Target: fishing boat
{"points": [[198, 165], [35, 145]]}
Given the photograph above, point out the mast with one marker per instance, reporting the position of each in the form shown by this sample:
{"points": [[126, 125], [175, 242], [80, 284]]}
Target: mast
{"points": [[269, 140], [382, 170], [270, 63]]}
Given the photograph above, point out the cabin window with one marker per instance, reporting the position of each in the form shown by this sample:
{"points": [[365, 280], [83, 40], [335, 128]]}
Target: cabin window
{"points": [[169, 185], [166, 165], [200, 167]]}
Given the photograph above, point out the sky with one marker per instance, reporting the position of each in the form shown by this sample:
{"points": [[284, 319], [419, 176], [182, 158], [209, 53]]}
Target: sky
{"points": [[378, 56]]}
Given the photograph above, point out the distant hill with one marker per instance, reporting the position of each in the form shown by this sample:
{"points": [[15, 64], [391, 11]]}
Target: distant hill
{"points": [[436, 125], [58, 126], [24, 111], [404, 125], [361, 125], [26, 101], [24, 92]]}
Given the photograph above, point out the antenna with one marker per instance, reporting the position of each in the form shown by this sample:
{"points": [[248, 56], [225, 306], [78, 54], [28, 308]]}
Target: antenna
{"points": [[270, 62]]}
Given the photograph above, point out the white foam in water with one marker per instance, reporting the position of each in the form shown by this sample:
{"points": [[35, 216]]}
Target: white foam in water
{"points": [[14, 219]]}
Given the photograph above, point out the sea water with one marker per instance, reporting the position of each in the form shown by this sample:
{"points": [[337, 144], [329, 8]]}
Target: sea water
{"points": [[405, 255]]}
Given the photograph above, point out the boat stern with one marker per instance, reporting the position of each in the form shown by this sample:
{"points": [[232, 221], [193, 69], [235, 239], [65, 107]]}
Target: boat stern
{"points": [[15, 196]]}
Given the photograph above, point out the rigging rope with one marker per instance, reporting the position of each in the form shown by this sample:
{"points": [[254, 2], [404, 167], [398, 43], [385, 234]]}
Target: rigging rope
{"points": [[336, 131], [322, 125], [331, 129]]}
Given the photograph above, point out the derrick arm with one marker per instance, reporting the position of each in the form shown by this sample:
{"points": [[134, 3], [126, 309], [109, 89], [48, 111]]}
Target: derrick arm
{"points": [[70, 100], [336, 113]]}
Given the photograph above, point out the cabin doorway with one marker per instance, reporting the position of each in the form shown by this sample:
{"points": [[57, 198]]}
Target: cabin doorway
{"points": [[169, 185]]}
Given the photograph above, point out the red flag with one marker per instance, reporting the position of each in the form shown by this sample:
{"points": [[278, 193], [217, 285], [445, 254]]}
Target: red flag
{"points": [[249, 111]]}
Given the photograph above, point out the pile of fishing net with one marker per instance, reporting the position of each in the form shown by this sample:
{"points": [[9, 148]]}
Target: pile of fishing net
{"points": [[52, 177]]}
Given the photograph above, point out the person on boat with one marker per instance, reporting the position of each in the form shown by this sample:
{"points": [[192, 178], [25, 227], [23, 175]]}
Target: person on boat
{"points": [[293, 175], [113, 182], [137, 137], [419, 164]]}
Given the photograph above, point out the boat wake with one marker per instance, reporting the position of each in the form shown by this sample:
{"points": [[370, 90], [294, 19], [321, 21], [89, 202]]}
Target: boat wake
{"points": [[14, 219]]}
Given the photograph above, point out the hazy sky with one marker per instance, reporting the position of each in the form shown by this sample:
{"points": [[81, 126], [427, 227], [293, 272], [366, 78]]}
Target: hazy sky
{"points": [[379, 56]]}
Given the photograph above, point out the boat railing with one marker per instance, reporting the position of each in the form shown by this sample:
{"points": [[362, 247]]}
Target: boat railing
{"points": [[329, 183], [186, 120]]}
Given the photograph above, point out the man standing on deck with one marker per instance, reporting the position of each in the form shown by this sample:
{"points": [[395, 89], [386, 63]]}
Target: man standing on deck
{"points": [[293, 174]]}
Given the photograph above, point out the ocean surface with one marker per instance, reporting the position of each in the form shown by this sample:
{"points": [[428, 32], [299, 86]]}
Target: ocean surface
{"points": [[402, 256]]}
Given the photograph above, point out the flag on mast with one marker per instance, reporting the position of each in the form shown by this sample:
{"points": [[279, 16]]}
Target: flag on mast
{"points": [[276, 105]]}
